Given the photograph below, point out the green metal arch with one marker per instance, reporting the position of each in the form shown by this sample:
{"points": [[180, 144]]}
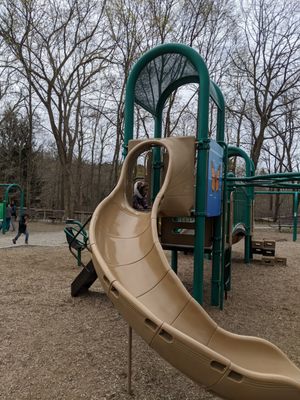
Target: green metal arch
{"points": [[250, 172], [173, 86], [203, 77], [237, 151], [217, 94], [8, 187]]}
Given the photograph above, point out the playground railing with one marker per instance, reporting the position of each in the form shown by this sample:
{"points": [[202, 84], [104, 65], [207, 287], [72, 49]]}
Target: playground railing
{"points": [[53, 215]]}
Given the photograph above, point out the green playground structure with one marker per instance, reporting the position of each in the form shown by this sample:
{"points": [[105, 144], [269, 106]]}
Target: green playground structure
{"points": [[194, 204], [222, 209], [155, 76], [152, 80], [7, 191]]}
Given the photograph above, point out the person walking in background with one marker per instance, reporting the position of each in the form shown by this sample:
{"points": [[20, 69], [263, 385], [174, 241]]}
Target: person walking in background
{"points": [[13, 214], [23, 229], [7, 217]]}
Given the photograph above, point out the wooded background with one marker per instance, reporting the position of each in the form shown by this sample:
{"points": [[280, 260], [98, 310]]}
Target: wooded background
{"points": [[63, 71]]}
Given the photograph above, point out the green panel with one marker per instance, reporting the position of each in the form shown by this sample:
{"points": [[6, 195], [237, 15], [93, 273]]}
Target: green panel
{"points": [[241, 211], [2, 211]]}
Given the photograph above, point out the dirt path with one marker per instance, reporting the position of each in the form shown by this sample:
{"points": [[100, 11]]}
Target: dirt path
{"points": [[40, 234], [56, 347]]}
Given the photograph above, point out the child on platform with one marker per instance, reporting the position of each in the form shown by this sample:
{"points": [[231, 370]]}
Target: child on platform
{"points": [[140, 191]]}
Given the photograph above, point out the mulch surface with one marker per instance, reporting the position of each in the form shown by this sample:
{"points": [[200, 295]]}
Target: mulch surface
{"points": [[54, 346]]}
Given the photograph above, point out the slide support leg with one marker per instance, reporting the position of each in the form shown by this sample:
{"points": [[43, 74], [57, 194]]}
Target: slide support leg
{"points": [[129, 373]]}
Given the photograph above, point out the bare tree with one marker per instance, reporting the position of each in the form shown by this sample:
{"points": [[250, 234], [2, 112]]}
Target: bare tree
{"points": [[267, 58], [207, 26], [61, 47], [125, 21], [283, 145]]}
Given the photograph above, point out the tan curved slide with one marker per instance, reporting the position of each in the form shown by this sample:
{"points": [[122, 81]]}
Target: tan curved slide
{"points": [[136, 276]]}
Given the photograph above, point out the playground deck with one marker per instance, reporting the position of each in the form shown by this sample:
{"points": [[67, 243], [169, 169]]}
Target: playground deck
{"points": [[54, 346]]}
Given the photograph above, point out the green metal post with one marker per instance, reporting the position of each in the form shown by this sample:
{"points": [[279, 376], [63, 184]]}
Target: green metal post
{"points": [[236, 151], [201, 182], [79, 257], [156, 157], [218, 239], [250, 199], [2, 213], [216, 262], [295, 215], [3, 227], [225, 216]]}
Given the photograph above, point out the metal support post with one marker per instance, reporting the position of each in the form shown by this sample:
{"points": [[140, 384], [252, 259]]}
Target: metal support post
{"points": [[129, 372]]}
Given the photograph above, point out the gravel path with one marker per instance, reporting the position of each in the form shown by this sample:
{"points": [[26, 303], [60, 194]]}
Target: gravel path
{"points": [[40, 234]]}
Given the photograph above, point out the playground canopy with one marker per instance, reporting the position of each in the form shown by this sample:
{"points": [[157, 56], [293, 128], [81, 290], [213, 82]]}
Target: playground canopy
{"points": [[163, 74], [162, 70]]}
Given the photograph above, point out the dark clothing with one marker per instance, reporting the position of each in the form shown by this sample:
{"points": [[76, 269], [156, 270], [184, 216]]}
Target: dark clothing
{"points": [[14, 211], [8, 217], [7, 223], [140, 203], [22, 225], [22, 230], [8, 212]]}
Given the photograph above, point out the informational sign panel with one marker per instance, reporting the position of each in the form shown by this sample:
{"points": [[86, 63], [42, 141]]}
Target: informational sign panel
{"points": [[214, 180]]}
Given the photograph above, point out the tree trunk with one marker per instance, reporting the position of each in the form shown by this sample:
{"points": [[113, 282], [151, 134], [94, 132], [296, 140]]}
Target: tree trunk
{"points": [[276, 208], [258, 143]]}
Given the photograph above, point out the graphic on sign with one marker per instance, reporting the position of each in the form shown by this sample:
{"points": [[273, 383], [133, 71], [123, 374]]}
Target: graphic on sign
{"points": [[215, 177], [214, 180]]}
